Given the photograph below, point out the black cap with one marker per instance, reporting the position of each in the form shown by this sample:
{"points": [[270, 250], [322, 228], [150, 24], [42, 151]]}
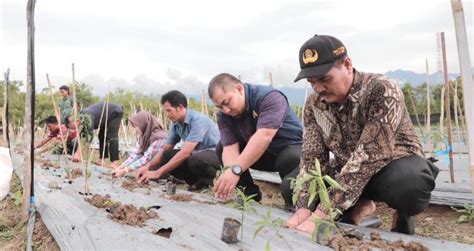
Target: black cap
{"points": [[318, 55]]}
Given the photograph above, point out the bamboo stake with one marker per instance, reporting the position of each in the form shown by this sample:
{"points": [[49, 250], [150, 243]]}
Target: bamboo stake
{"points": [[441, 115], [428, 105], [271, 79], [124, 133], [79, 145], [6, 131], [105, 128], [448, 108], [416, 113], [467, 85], [456, 120], [58, 116], [141, 107]]}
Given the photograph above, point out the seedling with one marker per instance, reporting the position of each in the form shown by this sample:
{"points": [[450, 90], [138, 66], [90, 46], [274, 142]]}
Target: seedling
{"points": [[467, 213], [318, 189], [274, 225], [245, 206]]}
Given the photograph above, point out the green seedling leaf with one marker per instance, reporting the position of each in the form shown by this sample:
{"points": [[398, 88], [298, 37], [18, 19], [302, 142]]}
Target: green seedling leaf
{"points": [[333, 183]]}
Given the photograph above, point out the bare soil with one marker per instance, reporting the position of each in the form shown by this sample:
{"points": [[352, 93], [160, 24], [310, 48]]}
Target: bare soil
{"points": [[131, 184], [347, 243], [180, 197], [13, 229], [77, 172], [125, 214], [438, 222]]}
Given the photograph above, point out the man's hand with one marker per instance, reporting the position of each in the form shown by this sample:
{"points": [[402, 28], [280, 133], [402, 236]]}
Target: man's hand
{"points": [[142, 170], [119, 172], [308, 225], [224, 186], [150, 175], [298, 217]]}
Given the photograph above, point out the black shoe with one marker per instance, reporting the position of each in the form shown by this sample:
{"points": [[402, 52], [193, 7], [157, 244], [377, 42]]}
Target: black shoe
{"points": [[405, 224]]}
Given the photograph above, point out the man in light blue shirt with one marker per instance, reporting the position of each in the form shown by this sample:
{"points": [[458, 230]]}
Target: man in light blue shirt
{"points": [[196, 162]]}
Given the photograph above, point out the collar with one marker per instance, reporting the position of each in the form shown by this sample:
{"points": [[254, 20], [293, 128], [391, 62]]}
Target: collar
{"points": [[189, 114]]}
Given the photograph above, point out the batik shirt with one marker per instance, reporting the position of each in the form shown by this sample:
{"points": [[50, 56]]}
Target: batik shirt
{"points": [[371, 129]]}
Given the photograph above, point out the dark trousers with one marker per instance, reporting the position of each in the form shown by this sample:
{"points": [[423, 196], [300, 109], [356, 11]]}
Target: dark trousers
{"points": [[112, 140], [286, 163], [405, 185], [199, 169]]}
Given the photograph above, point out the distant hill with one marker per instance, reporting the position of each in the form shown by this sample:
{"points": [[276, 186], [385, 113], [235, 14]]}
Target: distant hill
{"points": [[295, 94], [416, 79]]}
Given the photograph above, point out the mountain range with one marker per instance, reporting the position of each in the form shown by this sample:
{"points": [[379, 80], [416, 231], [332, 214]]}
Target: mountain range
{"points": [[296, 95]]}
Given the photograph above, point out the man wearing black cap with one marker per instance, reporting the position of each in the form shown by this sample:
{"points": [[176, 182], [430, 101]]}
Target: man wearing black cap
{"points": [[362, 119]]}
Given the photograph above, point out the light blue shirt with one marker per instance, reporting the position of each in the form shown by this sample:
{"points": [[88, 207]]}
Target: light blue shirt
{"points": [[196, 128]]}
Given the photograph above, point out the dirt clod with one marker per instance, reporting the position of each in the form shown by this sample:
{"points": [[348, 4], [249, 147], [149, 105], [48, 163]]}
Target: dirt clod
{"points": [[131, 185], [375, 242], [77, 172], [125, 214]]}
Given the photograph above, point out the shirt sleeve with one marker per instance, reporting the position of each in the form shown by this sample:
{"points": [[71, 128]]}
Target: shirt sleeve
{"points": [[227, 135], [385, 109], [313, 149], [148, 155], [173, 137], [273, 109], [133, 156]]}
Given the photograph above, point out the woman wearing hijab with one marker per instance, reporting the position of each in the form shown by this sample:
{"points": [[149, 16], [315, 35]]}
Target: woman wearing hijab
{"points": [[151, 138]]}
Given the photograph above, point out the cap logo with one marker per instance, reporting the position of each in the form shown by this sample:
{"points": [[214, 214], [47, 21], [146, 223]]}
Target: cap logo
{"points": [[310, 56], [339, 51]]}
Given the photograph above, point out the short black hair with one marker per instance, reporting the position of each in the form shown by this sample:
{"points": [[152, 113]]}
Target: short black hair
{"points": [[225, 81], [175, 98], [51, 120], [64, 87]]}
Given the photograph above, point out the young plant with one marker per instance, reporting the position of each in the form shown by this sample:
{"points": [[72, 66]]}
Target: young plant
{"points": [[272, 224], [467, 213], [245, 206], [318, 189]]}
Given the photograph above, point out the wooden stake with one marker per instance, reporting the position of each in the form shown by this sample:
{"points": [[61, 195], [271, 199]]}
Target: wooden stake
{"points": [[5, 128], [467, 85], [105, 128], [58, 116], [448, 108], [416, 113], [428, 105], [441, 115], [271, 79], [28, 175], [456, 120]]}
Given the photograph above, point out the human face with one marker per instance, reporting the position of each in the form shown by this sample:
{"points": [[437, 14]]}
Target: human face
{"points": [[175, 114], [63, 93], [52, 127], [335, 85], [230, 102]]}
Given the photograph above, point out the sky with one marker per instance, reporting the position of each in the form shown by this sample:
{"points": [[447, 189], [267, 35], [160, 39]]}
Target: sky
{"points": [[156, 46]]}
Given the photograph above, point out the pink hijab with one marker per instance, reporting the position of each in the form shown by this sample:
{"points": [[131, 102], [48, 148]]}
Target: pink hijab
{"points": [[150, 127]]}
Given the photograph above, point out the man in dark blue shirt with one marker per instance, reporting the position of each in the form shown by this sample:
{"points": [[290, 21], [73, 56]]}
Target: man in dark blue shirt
{"points": [[258, 130]]}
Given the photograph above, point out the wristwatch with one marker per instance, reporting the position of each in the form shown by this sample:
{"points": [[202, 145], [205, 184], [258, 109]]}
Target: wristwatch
{"points": [[236, 169]]}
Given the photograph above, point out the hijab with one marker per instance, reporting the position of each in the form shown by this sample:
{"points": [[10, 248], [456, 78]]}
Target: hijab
{"points": [[150, 127]]}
